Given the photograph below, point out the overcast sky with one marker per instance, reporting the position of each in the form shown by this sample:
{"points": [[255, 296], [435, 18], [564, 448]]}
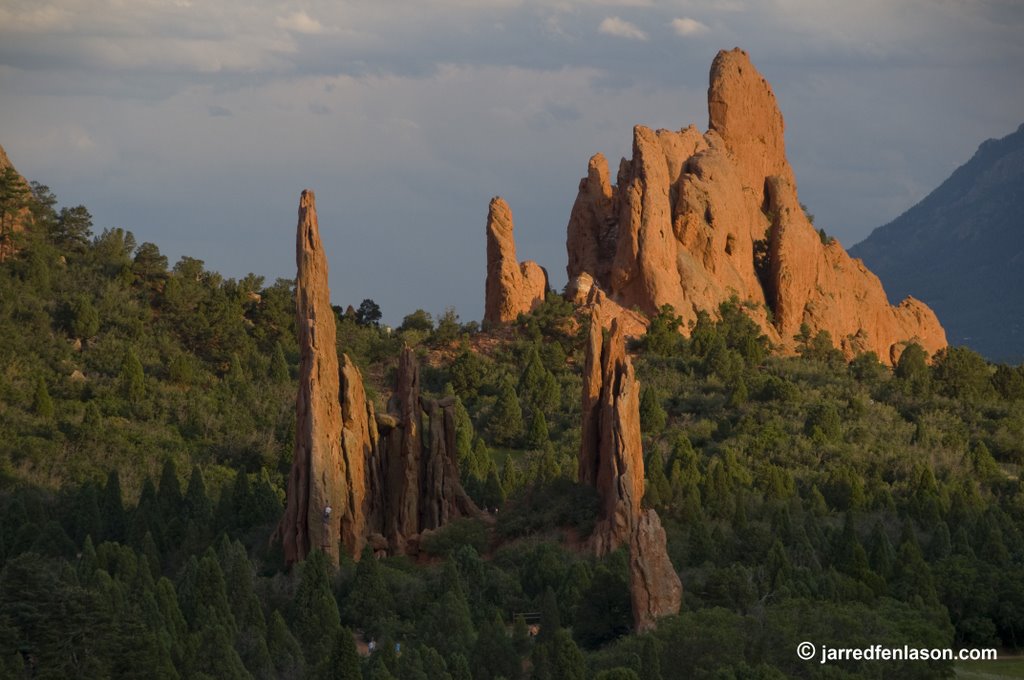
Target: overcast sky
{"points": [[196, 124]]}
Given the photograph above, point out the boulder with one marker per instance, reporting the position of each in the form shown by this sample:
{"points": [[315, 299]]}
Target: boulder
{"points": [[654, 586]]}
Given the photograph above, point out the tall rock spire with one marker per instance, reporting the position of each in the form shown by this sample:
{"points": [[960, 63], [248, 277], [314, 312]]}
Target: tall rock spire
{"points": [[513, 288], [318, 495], [611, 460]]}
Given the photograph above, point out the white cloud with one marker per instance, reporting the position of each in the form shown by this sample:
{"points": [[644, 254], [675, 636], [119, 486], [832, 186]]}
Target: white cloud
{"points": [[300, 22], [685, 26], [620, 28]]}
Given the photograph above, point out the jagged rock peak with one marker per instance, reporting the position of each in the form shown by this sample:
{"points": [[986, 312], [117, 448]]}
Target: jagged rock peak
{"points": [[513, 288], [318, 479], [695, 220]]}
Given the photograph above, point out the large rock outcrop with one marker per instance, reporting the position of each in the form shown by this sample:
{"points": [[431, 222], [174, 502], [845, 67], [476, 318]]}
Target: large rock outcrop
{"points": [[611, 460], [513, 288], [318, 478], [694, 220], [384, 477]]}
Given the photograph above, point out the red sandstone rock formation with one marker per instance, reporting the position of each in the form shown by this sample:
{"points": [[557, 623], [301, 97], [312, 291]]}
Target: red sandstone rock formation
{"points": [[15, 216], [654, 586], [360, 457], [696, 219], [513, 288], [423, 490], [611, 453], [318, 477], [384, 478], [611, 460]]}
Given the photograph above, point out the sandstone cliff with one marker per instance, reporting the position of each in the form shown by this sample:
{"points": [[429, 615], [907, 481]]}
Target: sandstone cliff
{"points": [[611, 460], [696, 219], [513, 288]]}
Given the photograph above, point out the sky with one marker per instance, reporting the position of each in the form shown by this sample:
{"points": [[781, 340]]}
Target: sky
{"points": [[196, 124]]}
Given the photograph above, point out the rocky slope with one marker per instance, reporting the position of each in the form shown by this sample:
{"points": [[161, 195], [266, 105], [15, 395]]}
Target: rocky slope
{"points": [[695, 219], [961, 250], [513, 288]]}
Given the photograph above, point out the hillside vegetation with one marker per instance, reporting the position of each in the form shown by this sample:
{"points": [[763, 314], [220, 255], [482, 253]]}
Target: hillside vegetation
{"points": [[146, 426]]}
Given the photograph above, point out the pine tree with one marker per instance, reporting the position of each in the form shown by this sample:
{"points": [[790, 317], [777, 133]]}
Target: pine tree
{"points": [[113, 509], [538, 434], [343, 664], [42, 404], [285, 651], [567, 661], [279, 372], [652, 415], [550, 619], [169, 492], [650, 661], [133, 379], [506, 420], [315, 620]]}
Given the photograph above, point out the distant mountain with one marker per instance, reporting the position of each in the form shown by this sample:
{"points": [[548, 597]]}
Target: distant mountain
{"points": [[961, 250]]}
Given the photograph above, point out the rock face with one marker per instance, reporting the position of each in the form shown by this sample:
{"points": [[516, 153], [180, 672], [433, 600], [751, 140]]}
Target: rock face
{"points": [[611, 453], [318, 475], [385, 480], [15, 216], [423, 491], [694, 220], [611, 460], [513, 288], [654, 586]]}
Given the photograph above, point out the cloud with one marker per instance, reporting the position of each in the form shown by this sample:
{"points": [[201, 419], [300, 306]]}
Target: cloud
{"points": [[621, 28], [300, 22], [219, 111], [685, 26]]}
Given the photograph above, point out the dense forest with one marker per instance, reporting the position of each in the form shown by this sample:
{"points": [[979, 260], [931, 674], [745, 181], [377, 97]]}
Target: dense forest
{"points": [[146, 427]]}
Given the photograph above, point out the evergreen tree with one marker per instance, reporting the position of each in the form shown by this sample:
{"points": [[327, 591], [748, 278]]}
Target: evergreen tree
{"points": [[493, 654], [315, 619], [567, 661], [370, 604], [279, 372], [538, 434], [550, 618], [650, 661], [505, 425], [343, 664], [42, 404], [133, 379], [113, 509], [652, 415], [284, 649]]}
